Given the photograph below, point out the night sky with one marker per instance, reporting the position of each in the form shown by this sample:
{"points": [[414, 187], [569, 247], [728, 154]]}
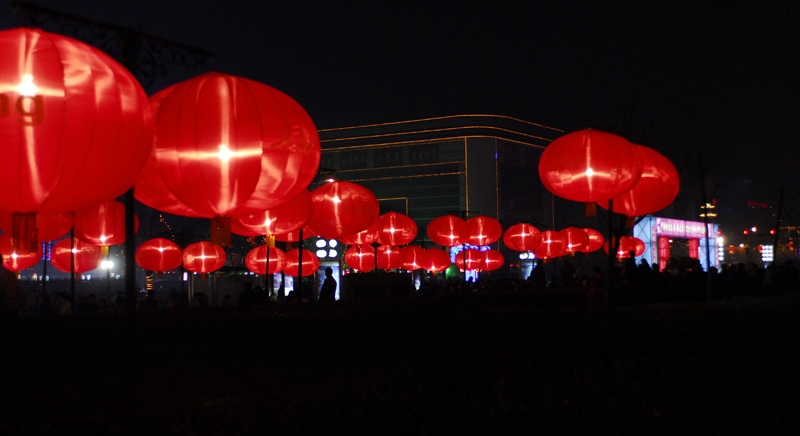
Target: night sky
{"points": [[678, 79]]}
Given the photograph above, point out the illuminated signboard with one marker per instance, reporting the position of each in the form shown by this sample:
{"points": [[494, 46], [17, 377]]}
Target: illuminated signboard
{"points": [[680, 228]]}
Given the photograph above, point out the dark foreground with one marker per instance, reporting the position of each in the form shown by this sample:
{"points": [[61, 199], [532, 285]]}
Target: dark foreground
{"points": [[489, 364]]}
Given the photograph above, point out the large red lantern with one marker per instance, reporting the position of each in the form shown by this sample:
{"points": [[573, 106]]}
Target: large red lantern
{"points": [[413, 257], [522, 237], [552, 245], [470, 259], [575, 239], [159, 255], [295, 235], [492, 260], [595, 241], [589, 165], [437, 259], [292, 263], [389, 257], [102, 224], [76, 127], [396, 229], [228, 146], [447, 230], [342, 209], [360, 257], [203, 257], [285, 218], [265, 260], [656, 190], [367, 236], [17, 258], [49, 226], [86, 257], [483, 230]]}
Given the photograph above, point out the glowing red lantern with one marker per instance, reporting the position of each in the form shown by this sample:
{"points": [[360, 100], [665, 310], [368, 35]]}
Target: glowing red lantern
{"points": [[575, 239], [360, 257], [367, 236], [203, 257], [470, 259], [285, 218], [638, 246], [447, 230], [522, 237], [159, 255], [102, 224], [295, 235], [437, 259], [589, 165], [228, 146], [483, 230], [292, 263], [552, 245], [396, 229], [389, 257], [16, 258], [492, 260], [595, 241], [265, 260], [76, 127], [626, 245], [413, 257], [86, 257], [342, 209], [49, 226], [656, 190], [732, 248]]}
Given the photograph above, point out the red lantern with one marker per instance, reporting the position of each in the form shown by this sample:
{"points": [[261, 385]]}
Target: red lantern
{"points": [[295, 235], [413, 257], [575, 239], [626, 245], [522, 237], [360, 257], [552, 245], [470, 259], [492, 260], [732, 248], [396, 229], [595, 241], [656, 190], [367, 236], [102, 224], [86, 257], [228, 146], [159, 255], [17, 259], [76, 127], [265, 260], [437, 259], [589, 165], [447, 230], [49, 226], [483, 230], [638, 246], [203, 257], [389, 257], [285, 218], [292, 265], [342, 209]]}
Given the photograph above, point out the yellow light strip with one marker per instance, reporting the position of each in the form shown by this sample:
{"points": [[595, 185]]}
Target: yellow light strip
{"points": [[427, 141], [436, 130], [441, 118]]}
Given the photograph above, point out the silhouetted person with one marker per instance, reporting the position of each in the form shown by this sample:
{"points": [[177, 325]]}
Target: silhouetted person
{"points": [[248, 296], [327, 293]]}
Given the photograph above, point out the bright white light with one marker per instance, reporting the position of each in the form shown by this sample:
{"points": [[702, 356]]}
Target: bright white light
{"points": [[102, 238], [224, 153], [161, 249], [13, 255], [523, 256], [321, 243], [719, 240], [268, 222], [332, 253], [331, 180], [333, 243], [322, 254], [753, 229], [336, 200], [589, 172], [203, 256], [26, 87], [74, 250], [107, 264]]}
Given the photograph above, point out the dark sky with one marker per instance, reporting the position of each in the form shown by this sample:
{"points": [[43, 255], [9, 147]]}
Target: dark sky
{"points": [[723, 80]]}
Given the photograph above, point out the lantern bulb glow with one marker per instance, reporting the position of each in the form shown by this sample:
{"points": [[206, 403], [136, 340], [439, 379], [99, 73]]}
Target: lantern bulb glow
{"points": [[589, 172], [337, 200], [161, 249], [74, 250], [26, 87], [224, 153], [13, 255], [102, 238]]}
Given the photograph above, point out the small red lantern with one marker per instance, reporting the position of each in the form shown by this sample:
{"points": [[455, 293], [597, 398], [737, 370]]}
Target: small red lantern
{"points": [[102, 224], [552, 245], [265, 260], [86, 257], [732, 248], [626, 245], [595, 241], [389, 257], [437, 259], [396, 229], [285, 218], [159, 255], [49, 226], [470, 259], [483, 230], [17, 259], [492, 260], [203, 257], [575, 239], [360, 257], [292, 265], [413, 257], [367, 236], [590, 165], [342, 209], [522, 237], [447, 230]]}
